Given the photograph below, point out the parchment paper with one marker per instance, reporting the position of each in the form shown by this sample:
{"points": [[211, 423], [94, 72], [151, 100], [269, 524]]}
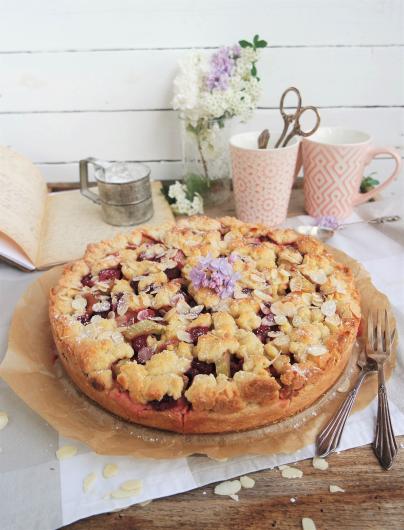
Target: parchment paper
{"points": [[30, 369]]}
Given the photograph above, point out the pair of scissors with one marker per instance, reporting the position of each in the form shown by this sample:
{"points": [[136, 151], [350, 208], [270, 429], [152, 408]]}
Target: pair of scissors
{"points": [[294, 119]]}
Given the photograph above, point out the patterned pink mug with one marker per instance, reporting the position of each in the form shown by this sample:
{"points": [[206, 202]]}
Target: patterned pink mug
{"points": [[262, 178], [333, 161]]}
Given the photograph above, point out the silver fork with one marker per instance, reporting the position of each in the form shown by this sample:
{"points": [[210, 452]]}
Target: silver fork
{"points": [[378, 348], [329, 438]]}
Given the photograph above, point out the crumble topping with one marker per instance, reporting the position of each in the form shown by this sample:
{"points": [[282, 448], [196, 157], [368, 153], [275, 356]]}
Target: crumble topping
{"points": [[209, 314]]}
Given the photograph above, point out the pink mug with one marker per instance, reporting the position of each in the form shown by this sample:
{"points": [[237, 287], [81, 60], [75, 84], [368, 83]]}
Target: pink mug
{"points": [[333, 161], [262, 178]]}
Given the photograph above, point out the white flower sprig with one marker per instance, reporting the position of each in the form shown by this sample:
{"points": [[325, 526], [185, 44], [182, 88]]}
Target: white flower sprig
{"points": [[181, 204]]}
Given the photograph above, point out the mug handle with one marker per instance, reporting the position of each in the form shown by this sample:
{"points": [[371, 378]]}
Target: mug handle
{"points": [[374, 151], [84, 189]]}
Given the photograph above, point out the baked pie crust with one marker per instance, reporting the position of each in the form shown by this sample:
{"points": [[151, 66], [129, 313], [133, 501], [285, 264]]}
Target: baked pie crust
{"points": [[142, 337]]}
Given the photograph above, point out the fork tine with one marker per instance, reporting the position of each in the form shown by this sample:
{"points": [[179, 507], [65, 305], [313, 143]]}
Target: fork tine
{"points": [[379, 337], [369, 345], [387, 334]]}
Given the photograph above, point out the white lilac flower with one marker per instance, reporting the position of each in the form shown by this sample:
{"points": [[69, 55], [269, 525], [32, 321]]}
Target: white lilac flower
{"points": [[182, 204]]}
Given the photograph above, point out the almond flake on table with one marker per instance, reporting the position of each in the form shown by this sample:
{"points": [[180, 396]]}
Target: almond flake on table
{"points": [[122, 494], [320, 463], [229, 487], [336, 489], [88, 482], [3, 420], [110, 470], [291, 472], [67, 451], [145, 503], [134, 485], [308, 524], [234, 497], [247, 482]]}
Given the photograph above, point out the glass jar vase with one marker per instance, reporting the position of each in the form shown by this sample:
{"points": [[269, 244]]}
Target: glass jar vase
{"points": [[205, 149]]}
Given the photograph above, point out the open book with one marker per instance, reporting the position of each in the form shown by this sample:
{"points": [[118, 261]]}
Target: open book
{"points": [[39, 229]]}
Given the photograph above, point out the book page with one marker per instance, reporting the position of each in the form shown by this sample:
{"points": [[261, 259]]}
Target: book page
{"points": [[71, 222], [22, 202], [11, 253]]}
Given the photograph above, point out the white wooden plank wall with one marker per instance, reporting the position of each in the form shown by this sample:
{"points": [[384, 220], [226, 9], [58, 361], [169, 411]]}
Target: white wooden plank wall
{"points": [[85, 78]]}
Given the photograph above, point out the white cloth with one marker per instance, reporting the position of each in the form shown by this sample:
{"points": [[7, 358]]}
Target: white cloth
{"points": [[35, 487]]}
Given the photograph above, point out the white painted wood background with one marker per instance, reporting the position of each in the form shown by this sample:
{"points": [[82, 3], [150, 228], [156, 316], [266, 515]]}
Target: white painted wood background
{"points": [[85, 78]]}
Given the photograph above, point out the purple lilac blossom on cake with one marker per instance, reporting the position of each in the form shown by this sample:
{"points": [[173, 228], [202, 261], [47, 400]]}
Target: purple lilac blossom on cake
{"points": [[221, 67], [216, 274]]}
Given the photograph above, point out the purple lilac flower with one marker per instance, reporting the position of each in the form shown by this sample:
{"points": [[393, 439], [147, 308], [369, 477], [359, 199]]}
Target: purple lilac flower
{"points": [[233, 257], [221, 67], [327, 221], [216, 274]]}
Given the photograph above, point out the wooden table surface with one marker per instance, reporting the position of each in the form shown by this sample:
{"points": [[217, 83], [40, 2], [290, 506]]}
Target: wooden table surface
{"points": [[373, 498]]}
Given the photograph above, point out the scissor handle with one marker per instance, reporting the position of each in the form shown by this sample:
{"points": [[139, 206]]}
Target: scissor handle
{"points": [[297, 112], [316, 125], [288, 118], [297, 130]]}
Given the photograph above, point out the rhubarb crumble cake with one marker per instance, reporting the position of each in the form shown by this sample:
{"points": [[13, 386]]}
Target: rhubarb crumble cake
{"points": [[205, 325]]}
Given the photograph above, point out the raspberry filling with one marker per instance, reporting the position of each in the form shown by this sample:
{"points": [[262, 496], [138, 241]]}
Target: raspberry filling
{"points": [[236, 364], [173, 273], [166, 403], [91, 301], [84, 319], [110, 274], [197, 332], [129, 318], [262, 333], [264, 239], [139, 343], [87, 280], [135, 315], [200, 367], [135, 286]]}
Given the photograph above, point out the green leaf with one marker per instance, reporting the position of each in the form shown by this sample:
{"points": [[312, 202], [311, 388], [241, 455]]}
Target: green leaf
{"points": [[164, 190], [261, 44], [368, 183], [245, 44], [196, 184], [254, 70], [256, 39]]}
